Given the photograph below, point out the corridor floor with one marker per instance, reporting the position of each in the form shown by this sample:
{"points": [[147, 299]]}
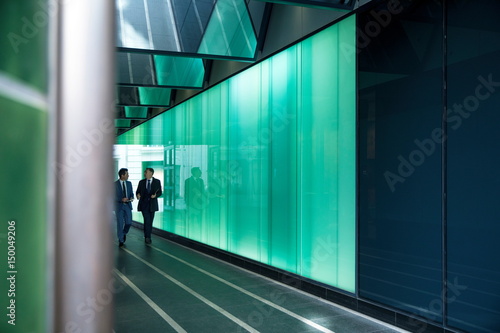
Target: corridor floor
{"points": [[165, 287]]}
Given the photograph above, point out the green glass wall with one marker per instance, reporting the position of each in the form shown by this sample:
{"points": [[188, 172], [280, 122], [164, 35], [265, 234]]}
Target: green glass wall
{"points": [[23, 156], [276, 148]]}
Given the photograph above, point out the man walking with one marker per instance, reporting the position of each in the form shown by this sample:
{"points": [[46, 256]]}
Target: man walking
{"points": [[148, 191], [124, 195]]}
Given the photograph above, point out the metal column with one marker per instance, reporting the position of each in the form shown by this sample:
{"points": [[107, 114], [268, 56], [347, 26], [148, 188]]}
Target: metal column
{"points": [[83, 121]]}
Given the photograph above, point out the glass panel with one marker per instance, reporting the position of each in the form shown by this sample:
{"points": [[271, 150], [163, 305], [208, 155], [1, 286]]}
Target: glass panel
{"points": [[400, 98], [179, 71], [243, 165], [135, 68], [473, 116], [283, 70], [220, 28], [256, 9], [248, 151], [218, 174], [136, 112], [230, 31], [154, 96], [193, 154], [132, 25], [23, 29], [192, 17], [24, 163], [162, 25], [122, 123], [328, 156], [127, 95], [23, 229]]}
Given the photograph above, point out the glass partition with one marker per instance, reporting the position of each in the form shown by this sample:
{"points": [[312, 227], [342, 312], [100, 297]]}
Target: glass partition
{"points": [[473, 102], [263, 164], [428, 112], [23, 168], [400, 112]]}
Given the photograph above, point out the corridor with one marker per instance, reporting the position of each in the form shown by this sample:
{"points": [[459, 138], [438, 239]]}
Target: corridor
{"points": [[166, 287]]}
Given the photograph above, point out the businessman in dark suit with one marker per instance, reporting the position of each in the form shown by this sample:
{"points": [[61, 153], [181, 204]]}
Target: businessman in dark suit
{"points": [[148, 191], [124, 195]]}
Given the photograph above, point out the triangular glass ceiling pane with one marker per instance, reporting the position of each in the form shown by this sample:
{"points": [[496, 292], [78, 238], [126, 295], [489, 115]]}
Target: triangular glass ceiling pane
{"points": [[122, 123], [136, 69], [154, 96], [143, 96], [192, 17], [186, 26], [179, 71], [230, 31], [137, 112]]}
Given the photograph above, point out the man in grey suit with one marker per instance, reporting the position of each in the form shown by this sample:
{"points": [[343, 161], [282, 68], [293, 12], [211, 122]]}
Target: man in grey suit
{"points": [[124, 195], [148, 191]]}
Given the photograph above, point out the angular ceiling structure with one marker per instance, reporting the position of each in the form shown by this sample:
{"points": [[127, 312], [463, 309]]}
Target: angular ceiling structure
{"points": [[164, 46]]}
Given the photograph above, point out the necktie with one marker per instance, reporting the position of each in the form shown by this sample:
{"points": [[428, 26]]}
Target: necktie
{"points": [[124, 191], [148, 187]]}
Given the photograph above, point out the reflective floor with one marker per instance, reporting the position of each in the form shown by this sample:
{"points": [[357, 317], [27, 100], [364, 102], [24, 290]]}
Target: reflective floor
{"points": [[169, 288]]}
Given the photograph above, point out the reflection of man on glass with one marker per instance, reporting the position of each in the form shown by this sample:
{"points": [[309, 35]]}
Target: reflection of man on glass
{"points": [[194, 194], [148, 190]]}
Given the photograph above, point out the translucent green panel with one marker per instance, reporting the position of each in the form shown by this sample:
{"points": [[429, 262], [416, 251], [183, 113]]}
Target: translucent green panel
{"points": [[179, 223], [122, 123], [346, 76], [283, 103], [179, 71], [136, 112], [327, 194], [248, 150], [229, 31], [23, 151], [214, 136], [23, 27], [154, 96], [275, 146], [193, 154]]}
